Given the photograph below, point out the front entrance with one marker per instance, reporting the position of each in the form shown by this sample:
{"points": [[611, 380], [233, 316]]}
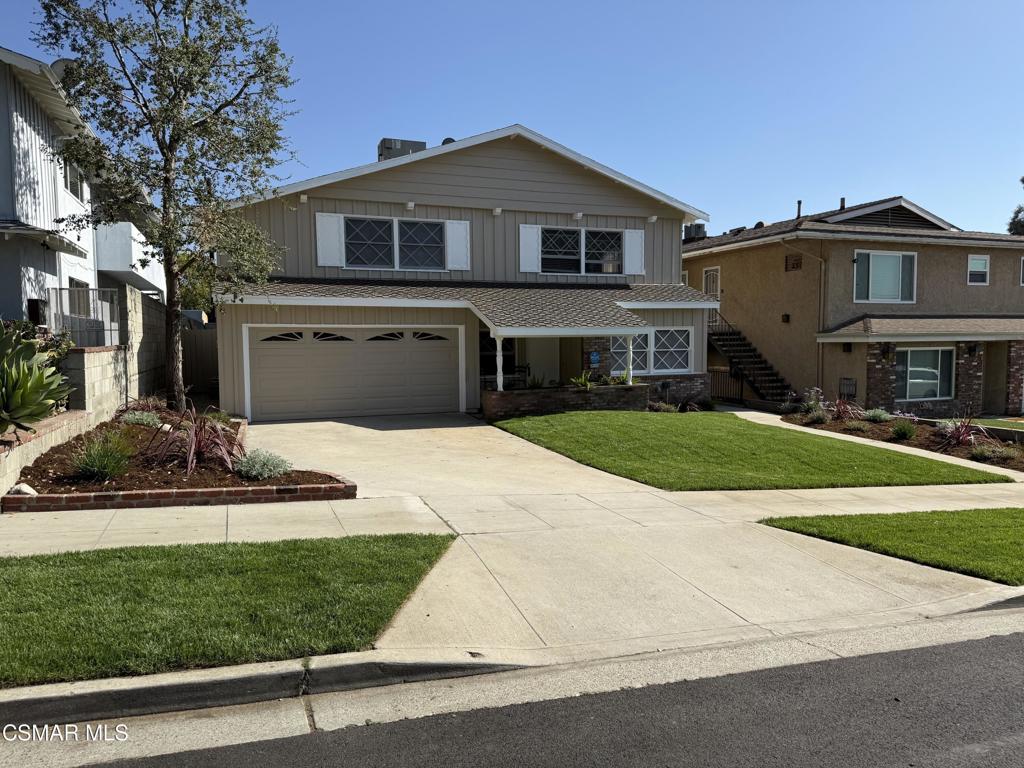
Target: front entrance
{"points": [[995, 377], [712, 281]]}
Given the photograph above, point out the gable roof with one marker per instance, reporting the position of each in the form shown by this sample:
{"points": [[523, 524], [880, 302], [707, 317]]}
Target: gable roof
{"points": [[510, 131], [855, 222], [44, 85]]}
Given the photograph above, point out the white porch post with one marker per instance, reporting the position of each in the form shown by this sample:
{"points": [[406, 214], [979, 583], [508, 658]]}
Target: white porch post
{"points": [[629, 359], [500, 376]]}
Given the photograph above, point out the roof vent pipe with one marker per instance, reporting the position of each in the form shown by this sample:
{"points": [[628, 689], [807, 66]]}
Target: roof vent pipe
{"points": [[842, 203], [799, 206]]}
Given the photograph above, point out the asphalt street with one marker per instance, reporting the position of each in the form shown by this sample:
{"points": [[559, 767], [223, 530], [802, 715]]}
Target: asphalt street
{"points": [[951, 705]]}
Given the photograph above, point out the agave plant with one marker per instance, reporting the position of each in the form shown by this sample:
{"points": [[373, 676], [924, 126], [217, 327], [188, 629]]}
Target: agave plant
{"points": [[30, 388]]}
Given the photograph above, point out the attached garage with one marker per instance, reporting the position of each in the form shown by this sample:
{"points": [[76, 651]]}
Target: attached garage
{"points": [[315, 372]]}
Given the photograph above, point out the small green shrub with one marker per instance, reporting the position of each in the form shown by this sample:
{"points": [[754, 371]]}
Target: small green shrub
{"points": [[992, 451], [258, 464], [857, 426], [817, 416], [659, 407], [535, 382], [877, 416], [903, 430], [103, 456], [142, 418], [217, 415], [582, 381]]}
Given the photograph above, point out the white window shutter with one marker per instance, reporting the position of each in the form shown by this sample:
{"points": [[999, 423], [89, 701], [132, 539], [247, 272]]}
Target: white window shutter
{"points": [[330, 239], [456, 244], [529, 248], [633, 252]]}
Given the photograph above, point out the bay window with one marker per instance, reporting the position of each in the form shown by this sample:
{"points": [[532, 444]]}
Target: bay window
{"points": [[662, 350], [885, 276], [924, 374]]}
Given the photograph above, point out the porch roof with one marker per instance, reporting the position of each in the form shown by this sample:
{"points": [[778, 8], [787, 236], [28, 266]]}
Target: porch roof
{"points": [[508, 309], [927, 328]]}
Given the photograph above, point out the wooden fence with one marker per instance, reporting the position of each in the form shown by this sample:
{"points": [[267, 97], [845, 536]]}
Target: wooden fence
{"points": [[199, 359]]}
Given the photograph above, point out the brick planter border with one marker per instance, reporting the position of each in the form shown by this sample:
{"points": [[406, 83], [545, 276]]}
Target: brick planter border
{"points": [[177, 497]]}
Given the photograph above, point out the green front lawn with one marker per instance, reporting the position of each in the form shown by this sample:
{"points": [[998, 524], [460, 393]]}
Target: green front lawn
{"points": [[720, 451], [988, 543], [82, 615], [1004, 423]]}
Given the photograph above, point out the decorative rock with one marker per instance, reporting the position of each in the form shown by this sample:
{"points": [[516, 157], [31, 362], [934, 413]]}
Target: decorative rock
{"points": [[165, 427], [23, 489]]}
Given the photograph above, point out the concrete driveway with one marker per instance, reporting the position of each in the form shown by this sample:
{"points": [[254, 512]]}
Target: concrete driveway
{"points": [[447, 454], [557, 561]]}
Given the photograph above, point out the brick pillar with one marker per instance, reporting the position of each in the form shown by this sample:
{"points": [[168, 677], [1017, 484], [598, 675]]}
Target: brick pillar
{"points": [[880, 390], [1014, 377], [970, 376], [602, 346]]}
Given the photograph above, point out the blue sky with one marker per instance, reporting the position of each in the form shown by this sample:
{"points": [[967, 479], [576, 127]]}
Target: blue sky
{"points": [[737, 108]]}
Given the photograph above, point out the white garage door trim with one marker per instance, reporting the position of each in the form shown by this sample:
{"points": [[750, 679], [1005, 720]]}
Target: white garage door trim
{"points": [[246, 374]]}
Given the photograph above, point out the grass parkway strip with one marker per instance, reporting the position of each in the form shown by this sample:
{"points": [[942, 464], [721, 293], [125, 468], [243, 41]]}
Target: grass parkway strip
{"points": [[988, 543], [141, 610], [718, 451]]}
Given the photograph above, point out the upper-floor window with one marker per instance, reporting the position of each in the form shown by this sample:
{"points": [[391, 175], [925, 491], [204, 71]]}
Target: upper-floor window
{"points": [[580, 251], [73, 180], [685, 279], [885, 276], [977, 270], [394, 243]]}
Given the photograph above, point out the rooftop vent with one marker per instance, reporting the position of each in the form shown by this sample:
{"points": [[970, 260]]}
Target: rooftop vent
{"points": [[389, 148], [758, 225], [694, 232], [735, 230], [447, 140]]}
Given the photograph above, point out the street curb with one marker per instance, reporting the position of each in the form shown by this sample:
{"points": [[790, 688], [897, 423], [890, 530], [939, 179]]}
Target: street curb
{"points": [[117, 698]]}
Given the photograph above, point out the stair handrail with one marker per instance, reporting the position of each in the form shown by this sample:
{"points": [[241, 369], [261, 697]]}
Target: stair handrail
{"points": [[717, 322]]}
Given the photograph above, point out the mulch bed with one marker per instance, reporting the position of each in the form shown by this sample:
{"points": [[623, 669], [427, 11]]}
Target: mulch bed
{"points": [[53, 472], [927, 437]]}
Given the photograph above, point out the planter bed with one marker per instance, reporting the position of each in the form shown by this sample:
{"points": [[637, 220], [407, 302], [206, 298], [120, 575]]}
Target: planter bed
{"points": [[927, 437], [147, 484]]}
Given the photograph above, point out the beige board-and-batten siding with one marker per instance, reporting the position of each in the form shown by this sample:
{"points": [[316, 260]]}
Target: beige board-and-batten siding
{"points": [[530, 186], [232, 317]]}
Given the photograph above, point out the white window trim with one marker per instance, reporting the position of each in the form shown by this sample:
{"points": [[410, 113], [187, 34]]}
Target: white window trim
{"points": [[952, 380], [684, 278], [583, 251], [649, 369], [988, 267], [869, 300], [394, 244]]}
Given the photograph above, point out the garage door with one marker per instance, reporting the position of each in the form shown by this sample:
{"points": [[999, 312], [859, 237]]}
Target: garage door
{"points": [[309, 373]]}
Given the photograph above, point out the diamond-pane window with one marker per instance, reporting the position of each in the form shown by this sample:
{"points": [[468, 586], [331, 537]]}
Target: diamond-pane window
{"points": [[672, 350], [420, 245], [560, 251], [603, 252], [369, 243], [618, 353]]}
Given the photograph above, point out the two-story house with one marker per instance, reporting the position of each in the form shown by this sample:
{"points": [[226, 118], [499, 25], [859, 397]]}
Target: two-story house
{"points": [[502, 260], [49, 274], [884, 303]]}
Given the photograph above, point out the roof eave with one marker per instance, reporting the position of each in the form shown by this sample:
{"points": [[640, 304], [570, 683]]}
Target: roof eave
{"points": [[857, 338]]}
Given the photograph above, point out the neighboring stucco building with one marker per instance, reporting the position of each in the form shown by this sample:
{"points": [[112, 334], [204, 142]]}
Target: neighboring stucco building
{"points": [[884, 303], [412, 284]]}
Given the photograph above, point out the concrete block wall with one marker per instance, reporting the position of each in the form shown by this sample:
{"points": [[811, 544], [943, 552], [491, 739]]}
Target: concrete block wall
{"points": [[99, 376]]}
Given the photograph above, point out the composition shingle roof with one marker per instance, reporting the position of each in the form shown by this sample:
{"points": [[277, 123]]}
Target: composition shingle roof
{"points": [[815, 223], [960, 327], [504, 305]]}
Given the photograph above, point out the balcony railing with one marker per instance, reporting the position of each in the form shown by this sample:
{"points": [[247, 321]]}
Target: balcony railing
{"points": [[91, 315]]}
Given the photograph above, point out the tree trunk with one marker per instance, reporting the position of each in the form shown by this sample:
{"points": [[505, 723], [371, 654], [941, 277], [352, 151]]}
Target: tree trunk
{"points": [[175, 382]]}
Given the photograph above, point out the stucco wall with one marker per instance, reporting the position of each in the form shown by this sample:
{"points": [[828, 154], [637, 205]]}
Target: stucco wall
{"points": [[837, 364], [756, 291]]}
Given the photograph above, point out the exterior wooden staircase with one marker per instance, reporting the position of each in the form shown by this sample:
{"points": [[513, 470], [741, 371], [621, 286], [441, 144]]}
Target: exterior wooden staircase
{"points": [[746, 361]]}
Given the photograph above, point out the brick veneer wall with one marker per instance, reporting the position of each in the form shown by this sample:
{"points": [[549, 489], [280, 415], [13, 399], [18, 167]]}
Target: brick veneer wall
{"points": [[1014, 377], [175, 497], [969, 378], [534, 402], [680, 388], [603, 346]]}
